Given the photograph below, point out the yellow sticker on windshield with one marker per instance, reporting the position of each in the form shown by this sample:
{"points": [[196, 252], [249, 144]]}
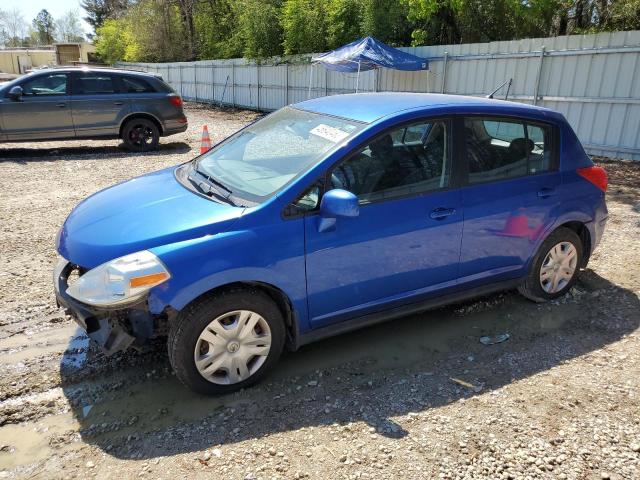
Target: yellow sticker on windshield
{"points": [[329, 133]]}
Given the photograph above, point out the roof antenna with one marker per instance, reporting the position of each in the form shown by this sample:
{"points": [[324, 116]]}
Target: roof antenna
{"points": [[502, 85]]}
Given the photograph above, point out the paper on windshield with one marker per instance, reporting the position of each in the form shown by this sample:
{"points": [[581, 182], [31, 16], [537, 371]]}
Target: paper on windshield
{"points": [[329, 133]]}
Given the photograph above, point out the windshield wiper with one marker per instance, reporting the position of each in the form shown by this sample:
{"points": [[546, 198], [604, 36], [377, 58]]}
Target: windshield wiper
{"points": [[210, 186], [212, 180]]}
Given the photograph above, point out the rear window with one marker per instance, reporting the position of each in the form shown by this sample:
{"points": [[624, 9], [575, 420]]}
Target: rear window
{"points": [[136, 85]]}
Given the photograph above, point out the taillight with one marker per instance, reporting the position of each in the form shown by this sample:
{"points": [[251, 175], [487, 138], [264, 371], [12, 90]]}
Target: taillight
{"points": [[175, 100], [596, 175]]}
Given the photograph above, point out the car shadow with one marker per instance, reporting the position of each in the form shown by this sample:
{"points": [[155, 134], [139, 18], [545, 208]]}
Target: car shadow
{"points": [[131, 406], [24, 155]]}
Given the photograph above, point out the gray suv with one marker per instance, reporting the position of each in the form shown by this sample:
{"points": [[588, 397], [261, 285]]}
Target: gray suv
{"points": [[80, 102]]}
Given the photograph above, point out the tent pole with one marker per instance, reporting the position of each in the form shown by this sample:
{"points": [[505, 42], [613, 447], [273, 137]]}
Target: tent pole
{"points": [[358, 77], [310, 78]]}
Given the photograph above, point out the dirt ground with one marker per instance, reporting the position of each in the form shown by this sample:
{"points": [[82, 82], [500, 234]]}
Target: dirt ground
{"points": [[559, 399]]}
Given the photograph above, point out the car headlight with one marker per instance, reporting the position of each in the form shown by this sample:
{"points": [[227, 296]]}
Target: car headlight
{"points": [[120, 281]]}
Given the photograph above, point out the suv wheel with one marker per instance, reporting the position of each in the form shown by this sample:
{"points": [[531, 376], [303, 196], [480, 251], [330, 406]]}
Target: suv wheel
{"points": [[555, 267], [140, 134], [227, 341]]}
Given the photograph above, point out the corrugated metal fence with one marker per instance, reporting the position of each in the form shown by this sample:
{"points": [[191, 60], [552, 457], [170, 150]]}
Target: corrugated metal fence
{"points": [[592, 79]]}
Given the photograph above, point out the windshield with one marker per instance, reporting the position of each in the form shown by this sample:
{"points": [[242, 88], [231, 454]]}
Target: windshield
{"points": [[264, 157]]}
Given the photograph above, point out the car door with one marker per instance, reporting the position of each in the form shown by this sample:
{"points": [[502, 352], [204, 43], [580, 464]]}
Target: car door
{"points": [[98, 104], [406, 240], [510, 195], [43, 111]]}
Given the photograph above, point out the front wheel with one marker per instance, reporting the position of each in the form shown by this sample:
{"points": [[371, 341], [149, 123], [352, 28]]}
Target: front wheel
{"points": [[555, 267], [227, 341], [140, 135]]}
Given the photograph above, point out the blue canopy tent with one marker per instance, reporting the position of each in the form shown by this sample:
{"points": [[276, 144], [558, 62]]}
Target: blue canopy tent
{"points": [[368, 54]]}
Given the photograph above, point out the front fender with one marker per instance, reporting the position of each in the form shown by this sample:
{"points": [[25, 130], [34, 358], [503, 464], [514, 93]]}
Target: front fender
{"points": [[272, 254]]}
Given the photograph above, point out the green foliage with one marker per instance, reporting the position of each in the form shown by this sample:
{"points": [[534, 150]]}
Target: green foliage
{"points": [[387, 20], [219, 38], [111, 44], [624, 15], [304, 26], [259, 29], [164, 30], [98, 11], [344, 22], [45, 27]]}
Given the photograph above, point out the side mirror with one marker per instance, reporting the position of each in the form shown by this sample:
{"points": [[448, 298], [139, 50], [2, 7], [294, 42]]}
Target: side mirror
{"points": [[15, 93], [337, 203]]}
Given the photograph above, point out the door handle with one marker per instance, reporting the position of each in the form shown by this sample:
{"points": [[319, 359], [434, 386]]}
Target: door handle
{"points": [[61, 105], [442, 213], [546, 192], [118, 103]]}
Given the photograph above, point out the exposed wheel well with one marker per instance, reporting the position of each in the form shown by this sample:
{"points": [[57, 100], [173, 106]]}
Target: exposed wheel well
{"points": [[277, 295], [140, 115], [583, 232]]}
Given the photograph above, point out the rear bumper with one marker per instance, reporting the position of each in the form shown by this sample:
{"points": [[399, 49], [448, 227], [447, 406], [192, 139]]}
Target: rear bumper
{"points": [[112, 329], [171, 127]]}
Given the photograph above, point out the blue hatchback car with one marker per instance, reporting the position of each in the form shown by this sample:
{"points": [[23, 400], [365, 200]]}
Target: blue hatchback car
{"points": [[326, 216]]}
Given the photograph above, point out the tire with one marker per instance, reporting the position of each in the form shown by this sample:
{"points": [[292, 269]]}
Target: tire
{"points": [[221, 318], [140, 135], [539, 287]]}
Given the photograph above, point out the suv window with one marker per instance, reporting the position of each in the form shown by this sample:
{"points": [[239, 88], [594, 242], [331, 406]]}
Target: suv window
{"points": [[136, 85], [52, 84], [407, 161], [94, 84], [500, 149]]}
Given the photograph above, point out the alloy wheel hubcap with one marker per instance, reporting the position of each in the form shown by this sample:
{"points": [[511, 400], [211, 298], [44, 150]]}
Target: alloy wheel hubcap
{"points": [[558, 267], [141, 135], [232, 347]]}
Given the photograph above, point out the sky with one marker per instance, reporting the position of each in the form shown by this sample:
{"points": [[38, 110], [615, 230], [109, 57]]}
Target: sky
{"points": [[56, 8]]}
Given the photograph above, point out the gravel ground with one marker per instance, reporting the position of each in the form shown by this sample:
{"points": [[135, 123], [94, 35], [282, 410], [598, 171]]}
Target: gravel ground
{"points": [[559, 399]]}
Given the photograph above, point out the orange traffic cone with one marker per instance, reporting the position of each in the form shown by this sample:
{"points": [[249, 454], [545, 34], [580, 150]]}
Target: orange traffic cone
{"points": [[205, 146]]}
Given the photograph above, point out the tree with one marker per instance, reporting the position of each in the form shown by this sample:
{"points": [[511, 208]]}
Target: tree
{"points": [[187, 10], [259, 28], [68, 27], [98, 11], [387, 20], [219, 39], [436, 21], [624, 15], [344, 19], [111, 44], [45, 27], [13, 27], [304, 26]]}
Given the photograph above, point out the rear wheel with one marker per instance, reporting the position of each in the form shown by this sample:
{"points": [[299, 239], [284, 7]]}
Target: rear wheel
{"points": [[555, 268], [141, 135], [227, 341]]}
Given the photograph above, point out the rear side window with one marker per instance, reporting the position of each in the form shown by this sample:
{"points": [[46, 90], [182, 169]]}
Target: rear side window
{"points": [[52, 84], [94, 84], [501, 149], [136, 85]]}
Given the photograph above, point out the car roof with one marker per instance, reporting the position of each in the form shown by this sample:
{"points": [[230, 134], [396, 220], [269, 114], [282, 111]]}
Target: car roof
{"points": [[93, 69], [369, 107]]}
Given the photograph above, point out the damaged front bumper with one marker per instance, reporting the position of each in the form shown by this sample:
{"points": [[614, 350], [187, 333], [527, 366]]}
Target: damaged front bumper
{"points": [[114, 329]]}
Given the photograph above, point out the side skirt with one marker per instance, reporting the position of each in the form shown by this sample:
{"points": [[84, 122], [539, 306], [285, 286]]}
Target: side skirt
{"points": [[404, 310]]}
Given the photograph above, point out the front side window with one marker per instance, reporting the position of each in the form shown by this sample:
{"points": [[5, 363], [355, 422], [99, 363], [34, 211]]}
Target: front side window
{"points": [[264, 157], [94, 84], [406, 161], [501, 149], [52, 84]]}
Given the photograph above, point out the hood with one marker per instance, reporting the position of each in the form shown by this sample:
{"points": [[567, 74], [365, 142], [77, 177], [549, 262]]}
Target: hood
{"points": [[142, 213]]}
